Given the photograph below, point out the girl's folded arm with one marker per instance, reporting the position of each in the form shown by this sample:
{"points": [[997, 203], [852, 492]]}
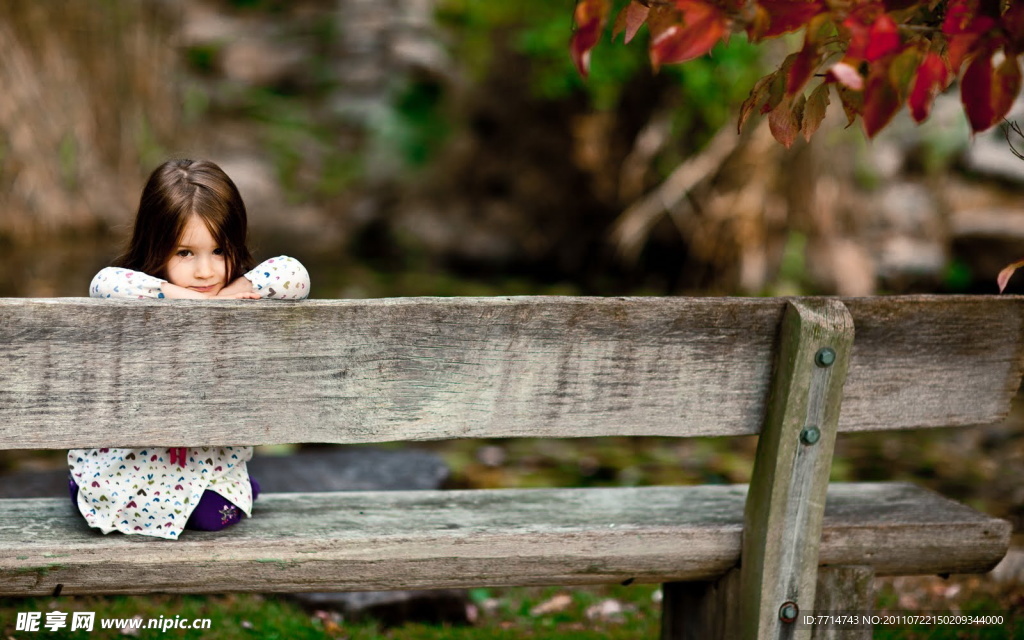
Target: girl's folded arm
{"points": [[280, 278], [117, 282]]}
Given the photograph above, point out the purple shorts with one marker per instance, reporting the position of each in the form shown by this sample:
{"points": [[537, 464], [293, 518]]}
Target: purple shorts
{"points": [[213, 513]]}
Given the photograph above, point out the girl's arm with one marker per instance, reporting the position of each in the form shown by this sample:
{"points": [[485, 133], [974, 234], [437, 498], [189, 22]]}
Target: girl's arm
{"points": [[280, 278], [126, 284], [117, 282]]}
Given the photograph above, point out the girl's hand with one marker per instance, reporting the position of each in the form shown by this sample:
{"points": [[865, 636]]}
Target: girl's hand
{"points": [[236, 291], [174, 292], [241, 295], [239, 289]]}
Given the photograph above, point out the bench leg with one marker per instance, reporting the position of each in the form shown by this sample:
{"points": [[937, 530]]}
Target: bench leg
{"points": [[844, 589], [709, 610], [700, 610]]}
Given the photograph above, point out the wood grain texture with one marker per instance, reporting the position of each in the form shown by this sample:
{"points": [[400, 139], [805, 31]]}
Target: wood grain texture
{"points": [[844, 590], [84, 373], [788, 486], [437, 539]]}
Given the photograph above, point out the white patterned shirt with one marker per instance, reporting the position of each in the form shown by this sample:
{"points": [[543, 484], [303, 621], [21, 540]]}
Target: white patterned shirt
{"points": [[139, 491]]}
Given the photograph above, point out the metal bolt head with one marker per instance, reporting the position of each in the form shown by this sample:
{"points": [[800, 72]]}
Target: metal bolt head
{"points": [[810, 435], [825, 357], [788, 611]]}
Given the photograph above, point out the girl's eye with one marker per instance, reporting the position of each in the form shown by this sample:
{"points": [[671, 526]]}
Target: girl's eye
{"points": [[218, 252], [183, 253]]}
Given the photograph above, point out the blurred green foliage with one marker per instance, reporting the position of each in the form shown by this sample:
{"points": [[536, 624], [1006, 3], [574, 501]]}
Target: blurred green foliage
{"points": [[709, 89], [423, 111]]}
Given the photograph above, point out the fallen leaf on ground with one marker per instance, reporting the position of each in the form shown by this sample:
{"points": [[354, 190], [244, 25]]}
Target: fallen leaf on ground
{"points": [[557, 604]]}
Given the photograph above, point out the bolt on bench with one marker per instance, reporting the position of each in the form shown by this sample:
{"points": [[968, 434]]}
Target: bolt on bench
{"points": [[735, 562]]}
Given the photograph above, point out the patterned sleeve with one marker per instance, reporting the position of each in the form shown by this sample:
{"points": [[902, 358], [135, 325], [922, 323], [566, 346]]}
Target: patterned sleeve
{"points": [[115, 282], [280, 278]]}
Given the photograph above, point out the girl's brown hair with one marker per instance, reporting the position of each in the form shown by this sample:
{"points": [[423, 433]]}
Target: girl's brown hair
{"points": [[176, 191]]}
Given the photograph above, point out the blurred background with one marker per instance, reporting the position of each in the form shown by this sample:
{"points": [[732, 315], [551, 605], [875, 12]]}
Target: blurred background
{"points": [[449, 147]]}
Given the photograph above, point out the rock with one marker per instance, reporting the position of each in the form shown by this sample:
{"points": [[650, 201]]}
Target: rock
{"points": [[910, 208], [1010, 570], [357, 469], [842, 266], [35, 484], [392, 608], [904, 256], [1003, 223], [990, 154]]}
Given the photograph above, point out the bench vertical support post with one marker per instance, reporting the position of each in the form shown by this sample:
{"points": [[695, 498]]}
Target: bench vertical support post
{"points": [[706, 610], [786, 501]]}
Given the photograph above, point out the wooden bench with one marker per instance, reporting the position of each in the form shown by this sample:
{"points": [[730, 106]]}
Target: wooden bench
{"points": [[735, 562]]}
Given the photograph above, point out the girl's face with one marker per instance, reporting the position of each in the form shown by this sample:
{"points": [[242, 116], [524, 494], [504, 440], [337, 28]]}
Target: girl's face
{"points": [[198, 263]]}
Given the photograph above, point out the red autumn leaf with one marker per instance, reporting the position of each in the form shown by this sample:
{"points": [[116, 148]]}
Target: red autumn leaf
{"points": [[881, 100], [958, 15], [932, 77], [853, 102], [777, 87], [959, 48], [786, 15], [784, 121], [1005, 87], [803, 67], [758, 96], [969, 16], [884, 39], [967, 22], [589, 17], [630, 19], [859, 38], [814, 111], [976, 92], [700, 27], [1003, 278]]}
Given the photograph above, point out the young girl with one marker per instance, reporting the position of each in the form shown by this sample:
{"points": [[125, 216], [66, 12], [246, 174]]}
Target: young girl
{"points": [[189, 242]]}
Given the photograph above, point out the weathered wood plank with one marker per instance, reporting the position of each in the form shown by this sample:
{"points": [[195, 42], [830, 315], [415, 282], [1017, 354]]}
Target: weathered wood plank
{"points": [[844, 590], [435, 539], [82, 373], [794, 457]]}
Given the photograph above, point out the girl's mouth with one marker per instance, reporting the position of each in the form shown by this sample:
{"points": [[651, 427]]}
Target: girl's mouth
{"points": [[205, 289]]}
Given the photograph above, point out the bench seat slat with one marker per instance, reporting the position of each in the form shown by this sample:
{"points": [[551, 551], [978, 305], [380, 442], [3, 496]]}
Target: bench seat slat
{"points": [[431, 539]]}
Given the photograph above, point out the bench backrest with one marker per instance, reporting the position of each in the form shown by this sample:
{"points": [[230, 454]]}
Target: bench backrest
{"points": [[89, 373]]}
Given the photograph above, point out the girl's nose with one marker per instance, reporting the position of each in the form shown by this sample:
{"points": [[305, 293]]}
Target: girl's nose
{"points": [[204, 267]]}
